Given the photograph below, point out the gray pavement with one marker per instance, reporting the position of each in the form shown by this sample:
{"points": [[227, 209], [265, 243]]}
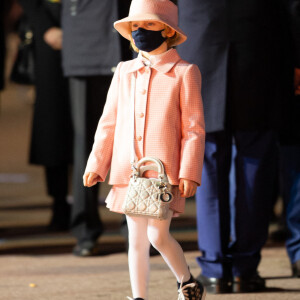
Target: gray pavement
{"points": [[65, 277]]}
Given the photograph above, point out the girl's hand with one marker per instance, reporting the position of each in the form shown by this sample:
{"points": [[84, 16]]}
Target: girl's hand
{"points": [[90, 179], [187, 187]]}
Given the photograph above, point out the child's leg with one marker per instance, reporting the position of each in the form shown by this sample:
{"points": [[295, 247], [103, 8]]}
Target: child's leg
{"points": [[160, 237], [138, 255]]}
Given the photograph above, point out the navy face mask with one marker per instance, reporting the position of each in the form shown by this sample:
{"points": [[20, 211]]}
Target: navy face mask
{"points": [[147, 40]]}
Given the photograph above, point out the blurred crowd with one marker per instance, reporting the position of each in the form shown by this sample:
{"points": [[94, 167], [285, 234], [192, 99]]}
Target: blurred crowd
{"points": [[248, 53]]}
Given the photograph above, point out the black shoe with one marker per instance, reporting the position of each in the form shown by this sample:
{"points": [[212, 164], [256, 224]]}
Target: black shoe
{"points": [[248, 284], [296, 269], [87, 248], [191, 290], [216, 285]]}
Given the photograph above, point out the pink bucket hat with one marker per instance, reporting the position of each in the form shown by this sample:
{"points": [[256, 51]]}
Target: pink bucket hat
{"points": [[163, 11]]}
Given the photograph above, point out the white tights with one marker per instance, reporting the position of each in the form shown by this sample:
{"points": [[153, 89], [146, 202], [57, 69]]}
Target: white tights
{"points": [[141, 232]]}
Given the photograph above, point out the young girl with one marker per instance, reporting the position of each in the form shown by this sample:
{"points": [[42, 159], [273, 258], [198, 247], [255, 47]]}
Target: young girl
{"points": [[169, 125]]}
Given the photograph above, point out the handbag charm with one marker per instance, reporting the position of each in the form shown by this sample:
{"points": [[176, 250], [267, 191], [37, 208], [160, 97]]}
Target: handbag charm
{"points": [[146, 196]]}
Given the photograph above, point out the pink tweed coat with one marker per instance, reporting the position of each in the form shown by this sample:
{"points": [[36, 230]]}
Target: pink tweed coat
{"points": [[168, 118]]}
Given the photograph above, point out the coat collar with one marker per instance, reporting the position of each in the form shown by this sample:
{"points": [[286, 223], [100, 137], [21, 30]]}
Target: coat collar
{"points": [[162, 63]]}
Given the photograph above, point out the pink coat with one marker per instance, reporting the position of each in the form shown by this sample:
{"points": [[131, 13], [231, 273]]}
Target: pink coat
{"points": [[168, 116]]}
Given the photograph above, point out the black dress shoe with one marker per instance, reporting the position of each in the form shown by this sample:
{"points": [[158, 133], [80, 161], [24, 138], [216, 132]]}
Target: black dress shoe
{"points": [[216, 285], [85, 249], [296, 269], [250, 284]]}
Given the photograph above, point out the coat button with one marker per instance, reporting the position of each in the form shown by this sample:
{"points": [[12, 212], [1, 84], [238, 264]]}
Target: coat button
{"points": [[139, 138], [143, 92], [141, 115]]}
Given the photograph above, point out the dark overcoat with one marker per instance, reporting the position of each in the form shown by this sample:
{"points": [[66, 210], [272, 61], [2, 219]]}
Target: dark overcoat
{"points": [[243, 50], [51, 141], [291, 132]]}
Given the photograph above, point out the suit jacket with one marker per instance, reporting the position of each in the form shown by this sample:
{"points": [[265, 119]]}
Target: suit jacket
{"points": [[294, 12], [169, 122], [291, 134], [91, 46], [243, 49]]}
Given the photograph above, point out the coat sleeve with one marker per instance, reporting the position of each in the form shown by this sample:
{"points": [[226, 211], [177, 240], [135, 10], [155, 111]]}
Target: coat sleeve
{"points": [[100, 157], [192, 126]]}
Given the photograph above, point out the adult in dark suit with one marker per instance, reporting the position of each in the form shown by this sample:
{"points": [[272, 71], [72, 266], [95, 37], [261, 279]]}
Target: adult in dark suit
{"points": [[290, 145], [236, 46], [51, 140], [91, 51]]}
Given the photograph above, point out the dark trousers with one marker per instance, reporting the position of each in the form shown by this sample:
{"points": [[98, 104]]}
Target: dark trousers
{"points": [[232, 214], [290, 174], [88, 96], [57, 179]]}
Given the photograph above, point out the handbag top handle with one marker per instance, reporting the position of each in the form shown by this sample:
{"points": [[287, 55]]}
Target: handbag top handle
{"points": [[158, 167]]}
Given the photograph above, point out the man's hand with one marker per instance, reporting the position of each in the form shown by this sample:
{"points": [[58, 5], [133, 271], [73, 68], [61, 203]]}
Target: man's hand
{"points": [[53, 37], [187, 188], [297, 81], [90, 179]]}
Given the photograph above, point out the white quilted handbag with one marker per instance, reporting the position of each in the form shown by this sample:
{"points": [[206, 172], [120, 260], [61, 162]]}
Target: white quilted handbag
{"points": [[148, 196]]}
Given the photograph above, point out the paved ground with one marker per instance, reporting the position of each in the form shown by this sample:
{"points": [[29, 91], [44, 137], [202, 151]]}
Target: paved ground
{"points": [[65, 277], [37, 265]]}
